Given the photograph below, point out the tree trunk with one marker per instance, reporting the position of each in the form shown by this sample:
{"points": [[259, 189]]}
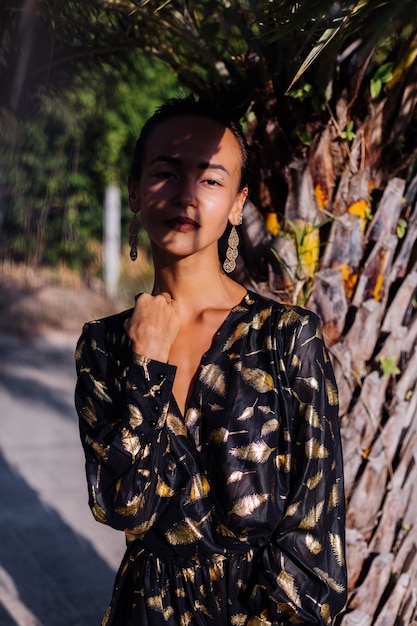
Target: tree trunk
{"points": [[370, 325]]}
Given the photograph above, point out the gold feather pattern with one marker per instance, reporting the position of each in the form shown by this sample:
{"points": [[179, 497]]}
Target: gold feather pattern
{"points": [[176, 425], [146, 451], [333, 584], [140, 529], [238, 475], [325, 613], [296, 361], [311, 381], [240, 331], [132, 506], [258, 621], [311, 416], [221, 435], [332, 394], [153, 391], [192, 417], [243, 328], [292, 509], [189, 574], [288, 318], [100, 452], [186, 619], [334, 497], [337, 547], [89, 412], [216, 570], [199, 606], [163, 490], [313, 545], [311, 519], [100, 390], [248, 412], [79, 350], [135, 416], [269, 344], [287, 582], [270, 426], [291, 345], [248, 504], [260, 319], [224, 531], [200, 488], [155, 603], [265, 409], [213, 376], [257, 451], [313, 481], [182, 480], [99, 513], [283, 462], [257, 378], [315, 450], [216, 407], [186, 531], [130, 442]]}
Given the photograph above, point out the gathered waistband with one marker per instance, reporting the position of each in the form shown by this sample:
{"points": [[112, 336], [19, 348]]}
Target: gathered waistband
{"points": [[136, 548]]}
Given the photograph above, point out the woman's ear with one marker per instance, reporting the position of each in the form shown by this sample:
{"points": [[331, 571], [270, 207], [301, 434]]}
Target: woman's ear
{"points": [[235, 215], [133, 189]]}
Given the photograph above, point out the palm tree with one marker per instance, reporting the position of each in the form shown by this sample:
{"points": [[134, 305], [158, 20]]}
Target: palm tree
{"points": [[328, 93]]}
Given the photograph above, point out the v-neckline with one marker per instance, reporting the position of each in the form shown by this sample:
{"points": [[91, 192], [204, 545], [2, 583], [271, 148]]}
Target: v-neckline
{"points": [[216, 337]]}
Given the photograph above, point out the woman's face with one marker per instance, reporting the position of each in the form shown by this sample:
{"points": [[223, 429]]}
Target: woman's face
{"points": [[188, 189]]}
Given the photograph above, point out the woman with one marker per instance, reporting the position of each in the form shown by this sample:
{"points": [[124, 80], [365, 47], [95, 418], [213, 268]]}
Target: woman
{"points": [[208, 414]]}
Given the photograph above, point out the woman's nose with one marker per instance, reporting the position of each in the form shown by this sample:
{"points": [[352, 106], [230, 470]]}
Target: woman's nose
{"points": [[186, 193]]}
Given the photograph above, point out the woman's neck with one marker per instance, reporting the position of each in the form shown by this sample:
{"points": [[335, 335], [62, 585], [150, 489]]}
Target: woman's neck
{"points": [[197, 286]]}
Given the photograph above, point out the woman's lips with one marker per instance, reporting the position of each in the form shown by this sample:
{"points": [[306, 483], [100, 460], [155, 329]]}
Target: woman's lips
{"points": [[182, 224]]}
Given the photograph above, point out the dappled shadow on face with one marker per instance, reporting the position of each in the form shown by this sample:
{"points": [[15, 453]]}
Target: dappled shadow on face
{"points": [[189, 185]]}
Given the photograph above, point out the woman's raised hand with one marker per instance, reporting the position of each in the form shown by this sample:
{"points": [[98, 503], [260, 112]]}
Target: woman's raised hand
{"points": [[153, 326]]}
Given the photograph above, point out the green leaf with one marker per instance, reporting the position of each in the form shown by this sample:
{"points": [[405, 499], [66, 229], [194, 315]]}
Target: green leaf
{"points": [[348, 134], [376, 87], [382, 76], [304, 135], [389, 366], [401, 228]]}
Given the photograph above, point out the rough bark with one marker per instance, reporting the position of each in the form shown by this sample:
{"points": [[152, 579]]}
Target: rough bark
{"points": [[370, 323]]}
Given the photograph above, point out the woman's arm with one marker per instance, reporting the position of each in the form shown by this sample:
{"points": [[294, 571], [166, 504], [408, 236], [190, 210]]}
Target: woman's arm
{"points": [[301, 573], [119, 408]]}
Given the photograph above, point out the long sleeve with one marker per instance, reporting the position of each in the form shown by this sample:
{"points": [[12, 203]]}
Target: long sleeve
{"points": [[300, 574], [235, 509], [120, 398]]}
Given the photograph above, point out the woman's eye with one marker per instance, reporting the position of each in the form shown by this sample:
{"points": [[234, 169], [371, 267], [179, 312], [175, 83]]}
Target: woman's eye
{"points": [[212, 183], [164, 175]]}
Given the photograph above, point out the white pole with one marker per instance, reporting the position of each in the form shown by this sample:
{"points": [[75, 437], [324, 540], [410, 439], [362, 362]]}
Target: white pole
{"points": [[112, 218]]}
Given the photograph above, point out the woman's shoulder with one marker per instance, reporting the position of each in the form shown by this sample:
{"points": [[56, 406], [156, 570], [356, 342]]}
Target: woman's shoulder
{"points": [[285, 314], [106, 330]]}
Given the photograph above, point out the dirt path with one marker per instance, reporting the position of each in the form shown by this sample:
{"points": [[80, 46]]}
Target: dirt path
{"points": [[57, 564]]}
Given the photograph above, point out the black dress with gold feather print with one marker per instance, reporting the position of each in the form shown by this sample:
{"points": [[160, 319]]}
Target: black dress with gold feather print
{"points": [[233, 512]]}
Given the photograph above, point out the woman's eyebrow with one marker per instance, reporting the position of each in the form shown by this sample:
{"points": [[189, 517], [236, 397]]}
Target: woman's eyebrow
{"points": [[164, 158], [208, 165]]}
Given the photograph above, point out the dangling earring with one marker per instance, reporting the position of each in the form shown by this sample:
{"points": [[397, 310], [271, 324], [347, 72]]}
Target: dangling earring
{"points": [[232, 251], [133, 237]]}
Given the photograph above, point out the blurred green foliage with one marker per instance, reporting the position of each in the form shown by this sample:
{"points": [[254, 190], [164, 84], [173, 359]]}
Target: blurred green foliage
{"points": [[57, 160]]}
